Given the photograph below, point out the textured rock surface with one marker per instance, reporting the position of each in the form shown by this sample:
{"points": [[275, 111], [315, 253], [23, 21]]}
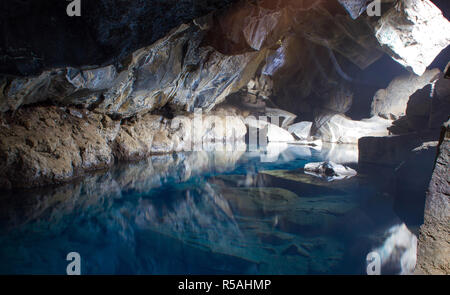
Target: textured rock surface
{"points": [[48, 145], [414, 32], [433, 256], [83, 141], [174, 70], [341, 129], [301, 129], [391, 103]]}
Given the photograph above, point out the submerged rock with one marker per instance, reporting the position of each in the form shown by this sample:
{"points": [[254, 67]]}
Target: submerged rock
{"points": [[329, 170], [413, 33]]}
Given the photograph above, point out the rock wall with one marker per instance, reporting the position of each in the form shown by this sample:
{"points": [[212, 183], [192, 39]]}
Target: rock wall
{"points": [[176, 70], [433, 255], [51, 145]]}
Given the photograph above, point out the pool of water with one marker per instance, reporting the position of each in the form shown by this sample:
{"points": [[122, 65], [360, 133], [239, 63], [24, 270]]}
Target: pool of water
{"points": [[210, 213]]}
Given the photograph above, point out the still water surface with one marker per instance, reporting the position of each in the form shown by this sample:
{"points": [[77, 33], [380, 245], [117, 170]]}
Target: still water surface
{"points": [[208, 213]]}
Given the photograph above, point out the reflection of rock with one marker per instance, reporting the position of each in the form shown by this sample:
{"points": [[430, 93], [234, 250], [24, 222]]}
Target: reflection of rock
{"points": [[433, 251], [340, 153], [138, 177], [129, 206], [398, 250], [329, 170], [391, 103], [340, 129], [414, 32], [301, 183]]}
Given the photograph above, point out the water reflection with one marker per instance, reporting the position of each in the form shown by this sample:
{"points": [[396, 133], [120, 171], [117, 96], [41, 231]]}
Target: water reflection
{"points": [[199, 212], [398, 252]]}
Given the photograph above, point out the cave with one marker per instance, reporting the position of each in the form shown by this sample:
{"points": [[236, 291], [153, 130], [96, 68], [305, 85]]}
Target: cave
{"points": [[225, 137]]}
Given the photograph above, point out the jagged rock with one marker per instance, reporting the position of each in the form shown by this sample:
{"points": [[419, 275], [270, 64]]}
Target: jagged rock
{"points": [[329, 170], [390, 103], [354, 7], [340, 129], [433, 255], [254, 25], [413, 33], [174, 70]]}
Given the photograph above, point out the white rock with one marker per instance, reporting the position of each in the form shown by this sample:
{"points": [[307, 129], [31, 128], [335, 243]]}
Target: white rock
{"points": [[273, 132], [277, 134], [341, 129], [301, 129], [330, 170], [390, 103], [413, 33]]}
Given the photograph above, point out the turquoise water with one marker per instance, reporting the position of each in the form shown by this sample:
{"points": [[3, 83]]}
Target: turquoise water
{"points": [[206, 213]]}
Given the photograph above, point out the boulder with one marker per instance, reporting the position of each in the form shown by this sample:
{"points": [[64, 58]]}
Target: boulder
{"points": [[413, 33], [341, 129], [271, 132], [301, 129], [391, 103], [329, 170]]}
